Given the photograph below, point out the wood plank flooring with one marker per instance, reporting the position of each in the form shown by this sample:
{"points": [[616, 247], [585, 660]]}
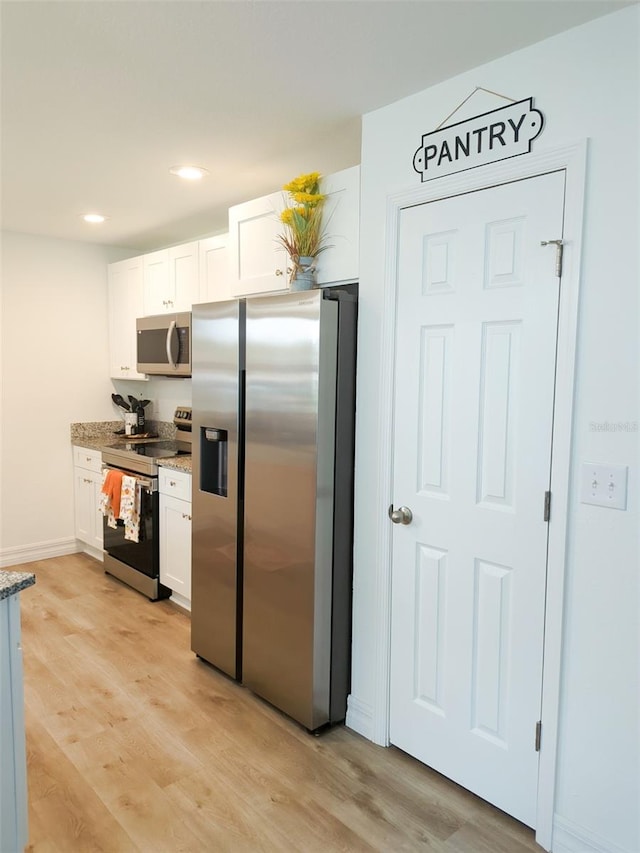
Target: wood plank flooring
{"points": [[133, 744]]}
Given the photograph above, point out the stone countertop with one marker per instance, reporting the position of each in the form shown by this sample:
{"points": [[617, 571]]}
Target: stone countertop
{"points": [[13, 582], [178, 463], [97, 436]]}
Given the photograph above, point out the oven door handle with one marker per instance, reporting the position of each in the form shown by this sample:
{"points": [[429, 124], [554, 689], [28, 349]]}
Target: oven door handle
{"points": [[150, 485], [173, 344]]}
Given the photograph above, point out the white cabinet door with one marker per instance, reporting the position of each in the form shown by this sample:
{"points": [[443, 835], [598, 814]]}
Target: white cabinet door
{"points": [[340, 262], [88, 518], [125, 297], [157, 293], [175, 545], [214, 269], [171, 279], [258, 263], [184, 283]]}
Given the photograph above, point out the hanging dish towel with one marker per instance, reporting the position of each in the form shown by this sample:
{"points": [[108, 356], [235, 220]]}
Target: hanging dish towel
{"points": [[110, 495], [130, 507]]}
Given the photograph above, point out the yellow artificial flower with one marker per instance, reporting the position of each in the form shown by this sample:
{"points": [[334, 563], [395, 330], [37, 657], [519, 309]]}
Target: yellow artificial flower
{"points": [[304, 183], [303, 227], [311, 199]]}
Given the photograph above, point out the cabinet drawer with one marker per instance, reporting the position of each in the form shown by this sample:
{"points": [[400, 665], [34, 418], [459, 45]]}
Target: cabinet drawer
{"points": [[89, 459], [175, 483]]}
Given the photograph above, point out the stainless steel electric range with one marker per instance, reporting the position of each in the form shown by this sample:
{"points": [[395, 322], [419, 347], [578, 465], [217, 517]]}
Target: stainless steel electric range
{"points": [[138, 563]]}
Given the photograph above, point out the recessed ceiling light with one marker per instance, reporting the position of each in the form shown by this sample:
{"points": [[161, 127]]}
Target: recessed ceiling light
{"points": [[189, 173], [94, 217]]}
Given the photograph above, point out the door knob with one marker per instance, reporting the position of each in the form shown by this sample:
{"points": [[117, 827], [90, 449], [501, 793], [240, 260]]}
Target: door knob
{"points": [[402, 515]]}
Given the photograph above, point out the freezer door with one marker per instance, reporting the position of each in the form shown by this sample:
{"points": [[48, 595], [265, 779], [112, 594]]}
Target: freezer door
{"points": [[218, 361], [291, 348]]}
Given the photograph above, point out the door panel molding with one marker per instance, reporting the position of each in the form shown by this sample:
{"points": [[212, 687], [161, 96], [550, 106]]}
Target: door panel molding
{"points": [[572, 159]]}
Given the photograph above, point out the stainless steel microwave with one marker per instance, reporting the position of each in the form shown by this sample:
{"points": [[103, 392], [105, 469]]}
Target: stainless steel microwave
{"points": [[163, 344]]}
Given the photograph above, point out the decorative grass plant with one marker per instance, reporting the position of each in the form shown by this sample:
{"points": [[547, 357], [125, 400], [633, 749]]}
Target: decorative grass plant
{"points": [[303, 235]]}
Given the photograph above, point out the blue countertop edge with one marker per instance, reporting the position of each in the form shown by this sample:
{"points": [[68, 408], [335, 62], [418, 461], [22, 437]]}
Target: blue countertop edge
{"points": [[13, 582]]}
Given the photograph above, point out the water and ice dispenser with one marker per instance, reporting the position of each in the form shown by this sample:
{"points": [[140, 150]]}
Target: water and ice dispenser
{"points": [[213, 460]]}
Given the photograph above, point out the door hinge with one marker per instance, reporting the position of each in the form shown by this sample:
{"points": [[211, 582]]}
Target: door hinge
{"points": [[547, 506], [538, 735], [559, 249]]}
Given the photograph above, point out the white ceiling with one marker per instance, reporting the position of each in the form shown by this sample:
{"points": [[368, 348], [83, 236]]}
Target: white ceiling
{"points": [[100, 98]]}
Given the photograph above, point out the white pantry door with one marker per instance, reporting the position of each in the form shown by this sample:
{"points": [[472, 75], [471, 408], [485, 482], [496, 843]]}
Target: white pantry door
{"points": [[474, 387]]}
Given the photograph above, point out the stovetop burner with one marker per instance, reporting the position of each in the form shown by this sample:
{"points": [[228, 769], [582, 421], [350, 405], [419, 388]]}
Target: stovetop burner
{"points": [[140, 457]]}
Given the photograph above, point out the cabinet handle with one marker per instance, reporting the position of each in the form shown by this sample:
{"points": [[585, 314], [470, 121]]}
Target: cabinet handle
{"points": [[186, 516], [172, 483], [87, 458], [279, 272], [123, 368], [85, 480]]}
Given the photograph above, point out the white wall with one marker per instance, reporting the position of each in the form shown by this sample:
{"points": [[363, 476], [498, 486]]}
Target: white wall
{"points": [[54, 372], [586, 84], [164, 394]]}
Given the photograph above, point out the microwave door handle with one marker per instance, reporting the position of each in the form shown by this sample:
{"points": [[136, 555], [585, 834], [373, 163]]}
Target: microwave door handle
{"points": [[172, 344]]}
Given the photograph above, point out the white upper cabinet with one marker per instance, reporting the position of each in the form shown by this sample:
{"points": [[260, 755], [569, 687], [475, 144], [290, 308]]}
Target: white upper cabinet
{"points": [[125, 306], [171, 281], [339, 263], [214, 269], [156, 282], [258, 264]]}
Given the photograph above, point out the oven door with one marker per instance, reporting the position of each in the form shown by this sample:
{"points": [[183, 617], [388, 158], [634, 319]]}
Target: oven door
{"points": [[144, 555]]}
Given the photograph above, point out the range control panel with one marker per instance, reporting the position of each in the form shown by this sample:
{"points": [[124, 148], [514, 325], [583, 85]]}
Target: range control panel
{"points": [[182, 418]]}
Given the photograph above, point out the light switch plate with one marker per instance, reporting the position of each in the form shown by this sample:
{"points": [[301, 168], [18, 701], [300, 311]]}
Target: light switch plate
{"points": [[603, 485]]}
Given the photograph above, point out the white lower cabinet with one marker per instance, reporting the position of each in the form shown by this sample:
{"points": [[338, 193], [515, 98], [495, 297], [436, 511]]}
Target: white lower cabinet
{"points": [[175, 533], [13, 765], [87, 471]]}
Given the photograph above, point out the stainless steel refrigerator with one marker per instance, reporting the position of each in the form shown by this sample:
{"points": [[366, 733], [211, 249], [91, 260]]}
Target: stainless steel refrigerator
{"points": [[273, 445]]}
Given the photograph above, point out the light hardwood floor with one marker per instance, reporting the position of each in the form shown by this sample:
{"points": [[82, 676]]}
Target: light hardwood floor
{"points": [[133, 744]]}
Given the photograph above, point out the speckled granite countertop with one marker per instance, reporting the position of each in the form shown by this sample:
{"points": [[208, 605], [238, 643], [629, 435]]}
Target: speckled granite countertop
{"points": [[178, 463], [100, 434], [13, 582]]}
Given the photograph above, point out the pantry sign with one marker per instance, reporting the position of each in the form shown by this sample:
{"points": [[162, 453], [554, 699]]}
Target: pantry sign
{"points": [[496, 135]]}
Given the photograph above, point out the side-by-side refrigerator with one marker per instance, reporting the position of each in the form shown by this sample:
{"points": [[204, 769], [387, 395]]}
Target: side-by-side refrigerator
{"points": [[273, 446]]}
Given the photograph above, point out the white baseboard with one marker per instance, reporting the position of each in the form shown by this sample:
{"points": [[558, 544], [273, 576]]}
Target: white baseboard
{"points": [[359, 717], [568, 837], [91, 551], [181, 602], [19, 554]]}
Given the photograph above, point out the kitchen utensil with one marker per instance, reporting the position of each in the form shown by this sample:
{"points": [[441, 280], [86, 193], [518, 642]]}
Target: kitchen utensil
{"points": [[144, 403], [119, 400], [134, 403], [130, 423]]}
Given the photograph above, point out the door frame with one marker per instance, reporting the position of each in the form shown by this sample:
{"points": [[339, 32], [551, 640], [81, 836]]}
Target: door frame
{"points": [[573, 160]]}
